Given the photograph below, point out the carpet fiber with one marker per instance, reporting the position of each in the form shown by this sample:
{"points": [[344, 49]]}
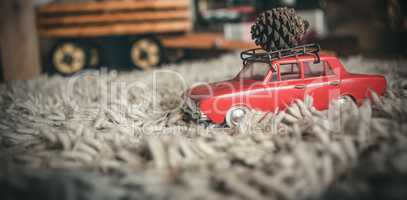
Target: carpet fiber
{"points": [[121, 135]]}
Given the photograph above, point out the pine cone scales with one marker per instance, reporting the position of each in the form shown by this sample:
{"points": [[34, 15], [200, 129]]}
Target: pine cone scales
{"points": [[278, 28]]}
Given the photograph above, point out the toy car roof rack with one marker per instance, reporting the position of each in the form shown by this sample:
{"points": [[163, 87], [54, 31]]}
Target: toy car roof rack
{"points": [[260, 55]]}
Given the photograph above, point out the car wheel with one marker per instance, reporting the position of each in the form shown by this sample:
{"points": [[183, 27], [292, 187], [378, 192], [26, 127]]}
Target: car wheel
{"points": [[146, 53], [235, 115], [69, 57]]}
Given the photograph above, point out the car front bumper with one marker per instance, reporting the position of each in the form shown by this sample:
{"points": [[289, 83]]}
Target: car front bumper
{"points": [[191, 108]]}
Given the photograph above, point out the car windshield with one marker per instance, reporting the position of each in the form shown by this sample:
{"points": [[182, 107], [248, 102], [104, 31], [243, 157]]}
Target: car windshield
{"points": [[254, 71]]}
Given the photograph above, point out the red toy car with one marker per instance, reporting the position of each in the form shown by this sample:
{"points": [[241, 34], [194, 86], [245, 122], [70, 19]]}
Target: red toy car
{"points": [[275, 79]]}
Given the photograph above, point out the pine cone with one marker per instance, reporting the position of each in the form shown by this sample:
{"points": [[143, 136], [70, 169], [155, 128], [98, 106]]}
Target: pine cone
{"points": [[278, 28]]}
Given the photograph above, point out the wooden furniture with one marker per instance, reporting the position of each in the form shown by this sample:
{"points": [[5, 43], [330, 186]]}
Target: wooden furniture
{"points": [[107, 18], [150, 29], [18, 40]]}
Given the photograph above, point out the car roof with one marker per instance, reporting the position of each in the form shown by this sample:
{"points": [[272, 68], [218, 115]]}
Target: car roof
{"points": [[323, 56]]}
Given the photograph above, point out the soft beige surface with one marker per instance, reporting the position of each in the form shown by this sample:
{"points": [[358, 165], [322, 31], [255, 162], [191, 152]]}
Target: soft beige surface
{"points": [[103, 136]]}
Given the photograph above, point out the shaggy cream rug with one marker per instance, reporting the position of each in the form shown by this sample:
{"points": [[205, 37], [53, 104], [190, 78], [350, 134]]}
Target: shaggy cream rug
{"points": [[120, 135]]}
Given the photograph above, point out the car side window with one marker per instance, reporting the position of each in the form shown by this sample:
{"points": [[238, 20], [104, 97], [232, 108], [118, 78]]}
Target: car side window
{"points": [[312, 69], [289, 71]]}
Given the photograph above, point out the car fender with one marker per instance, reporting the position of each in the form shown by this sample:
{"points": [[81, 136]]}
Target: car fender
{"points": [[216, 108]]}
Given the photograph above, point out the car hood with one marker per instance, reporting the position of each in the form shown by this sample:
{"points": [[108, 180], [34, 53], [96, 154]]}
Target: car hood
{"points": [[221, 88]]}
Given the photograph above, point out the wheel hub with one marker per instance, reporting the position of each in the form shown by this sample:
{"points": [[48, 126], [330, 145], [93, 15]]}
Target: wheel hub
{"points": [[237, 115], [145, 53], [67, 59]]}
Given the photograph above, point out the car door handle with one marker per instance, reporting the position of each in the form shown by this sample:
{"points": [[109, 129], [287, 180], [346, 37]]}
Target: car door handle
{"points": [[334, 83], [299, 86]]}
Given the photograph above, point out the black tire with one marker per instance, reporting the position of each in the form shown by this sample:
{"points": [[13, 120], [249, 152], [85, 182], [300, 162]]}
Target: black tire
{"points": [[279, 28], [146, 53], [69, 57]]}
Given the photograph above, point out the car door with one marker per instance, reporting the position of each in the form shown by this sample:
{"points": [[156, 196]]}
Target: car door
{"points": [[255, 95], [321, 83], [289, 85]]}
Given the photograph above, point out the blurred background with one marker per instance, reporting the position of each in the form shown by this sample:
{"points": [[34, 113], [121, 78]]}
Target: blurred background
{"points": [[67, 36]]}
